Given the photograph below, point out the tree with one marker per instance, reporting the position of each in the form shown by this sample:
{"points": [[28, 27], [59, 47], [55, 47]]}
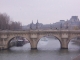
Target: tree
{"points": [[7, 24]]}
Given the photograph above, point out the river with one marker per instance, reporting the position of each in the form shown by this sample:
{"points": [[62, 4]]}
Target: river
{"points": [[47, 50]]}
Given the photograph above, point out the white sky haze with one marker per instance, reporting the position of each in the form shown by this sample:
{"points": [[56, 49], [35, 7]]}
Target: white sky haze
{"points": [[45, 11]]}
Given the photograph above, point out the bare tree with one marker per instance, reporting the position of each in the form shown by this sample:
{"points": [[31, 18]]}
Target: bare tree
{"points": [[7, 24]]}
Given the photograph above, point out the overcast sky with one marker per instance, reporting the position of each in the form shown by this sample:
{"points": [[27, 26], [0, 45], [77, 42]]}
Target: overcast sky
{"points": [[45, 11]]}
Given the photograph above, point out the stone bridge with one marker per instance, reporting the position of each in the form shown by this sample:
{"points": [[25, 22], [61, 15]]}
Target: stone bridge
{"points": [[33, 36]]}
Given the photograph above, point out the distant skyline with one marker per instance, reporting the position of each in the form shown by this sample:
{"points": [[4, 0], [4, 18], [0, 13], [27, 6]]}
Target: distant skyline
{"points": [[45, 11]]}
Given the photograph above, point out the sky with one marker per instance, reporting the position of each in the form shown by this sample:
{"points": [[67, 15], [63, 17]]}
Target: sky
{"points": [[45, 11]]}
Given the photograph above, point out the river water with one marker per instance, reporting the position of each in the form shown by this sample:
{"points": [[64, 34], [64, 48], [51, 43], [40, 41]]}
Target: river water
{"points": [[47, 50]]}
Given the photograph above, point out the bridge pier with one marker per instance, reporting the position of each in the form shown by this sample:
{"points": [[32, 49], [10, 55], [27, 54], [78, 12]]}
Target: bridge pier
{"points": [[33, 43], [2, 43], [64, 43]]}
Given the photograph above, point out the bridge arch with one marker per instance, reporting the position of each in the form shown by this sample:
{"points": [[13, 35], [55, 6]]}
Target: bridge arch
{"points": [[57, 37], [12, 37]]}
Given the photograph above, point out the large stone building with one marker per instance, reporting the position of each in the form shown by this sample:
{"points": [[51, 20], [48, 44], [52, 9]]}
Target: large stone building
{"points": [[72, 23]]}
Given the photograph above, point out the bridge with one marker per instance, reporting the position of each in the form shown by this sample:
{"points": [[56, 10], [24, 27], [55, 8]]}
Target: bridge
{"points": [[33, 36]]}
